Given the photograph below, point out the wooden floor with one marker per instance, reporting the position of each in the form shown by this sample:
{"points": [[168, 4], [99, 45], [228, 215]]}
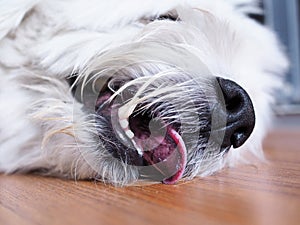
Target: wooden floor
{"points": [[264, 195]]}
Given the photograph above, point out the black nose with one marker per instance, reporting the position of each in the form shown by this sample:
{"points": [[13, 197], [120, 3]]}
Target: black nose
{"points": [[239, 111]]}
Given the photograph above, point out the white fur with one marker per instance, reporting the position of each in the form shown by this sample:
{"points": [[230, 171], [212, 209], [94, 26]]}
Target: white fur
{"points": [[43, 42]]}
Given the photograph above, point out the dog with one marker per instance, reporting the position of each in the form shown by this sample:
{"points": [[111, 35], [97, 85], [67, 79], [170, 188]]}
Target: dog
{"points": [[129, 92]]}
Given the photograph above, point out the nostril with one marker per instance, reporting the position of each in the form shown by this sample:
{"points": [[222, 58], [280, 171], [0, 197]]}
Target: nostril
{"points": [[239, 137], [240, 114], [234, 104]]}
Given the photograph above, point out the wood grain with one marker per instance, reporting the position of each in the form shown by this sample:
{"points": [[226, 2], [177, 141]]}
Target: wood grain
{"points": [[267, 194]]}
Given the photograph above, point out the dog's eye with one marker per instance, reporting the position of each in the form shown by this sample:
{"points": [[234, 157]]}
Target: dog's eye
{"points": [[169, 16]]}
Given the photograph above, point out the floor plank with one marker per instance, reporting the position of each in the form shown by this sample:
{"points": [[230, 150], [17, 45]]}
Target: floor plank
{"points": [[265, 194]]}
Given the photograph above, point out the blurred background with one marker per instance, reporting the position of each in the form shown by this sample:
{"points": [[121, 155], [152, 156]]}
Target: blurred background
{"points": [[283, 16]]}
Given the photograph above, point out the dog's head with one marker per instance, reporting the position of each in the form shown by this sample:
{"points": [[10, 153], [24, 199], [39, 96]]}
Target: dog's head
{"points": [[170, 103], [159, 113], [159, 94]]}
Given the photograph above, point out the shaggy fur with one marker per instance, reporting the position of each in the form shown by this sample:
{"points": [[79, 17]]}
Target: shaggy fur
{"points": [[160, 51]]}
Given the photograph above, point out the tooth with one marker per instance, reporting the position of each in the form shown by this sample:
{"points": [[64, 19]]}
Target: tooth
{"points": [[124, 123], [139, 150], [125, 111], [129, 134]]}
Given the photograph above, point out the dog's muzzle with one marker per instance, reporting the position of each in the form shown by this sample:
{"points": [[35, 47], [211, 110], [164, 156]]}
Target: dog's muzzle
{"points": [[156, 146]]}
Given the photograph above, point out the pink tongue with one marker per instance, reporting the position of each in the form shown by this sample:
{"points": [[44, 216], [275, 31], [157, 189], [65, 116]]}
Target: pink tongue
{"points": [[168, 156]]}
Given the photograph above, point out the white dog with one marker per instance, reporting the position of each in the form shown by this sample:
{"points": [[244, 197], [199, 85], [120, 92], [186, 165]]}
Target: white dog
{"points": [[127, 91]]}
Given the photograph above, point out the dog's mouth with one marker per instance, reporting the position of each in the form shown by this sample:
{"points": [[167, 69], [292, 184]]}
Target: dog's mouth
{"points": [[161, 147], [141, 138]]}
